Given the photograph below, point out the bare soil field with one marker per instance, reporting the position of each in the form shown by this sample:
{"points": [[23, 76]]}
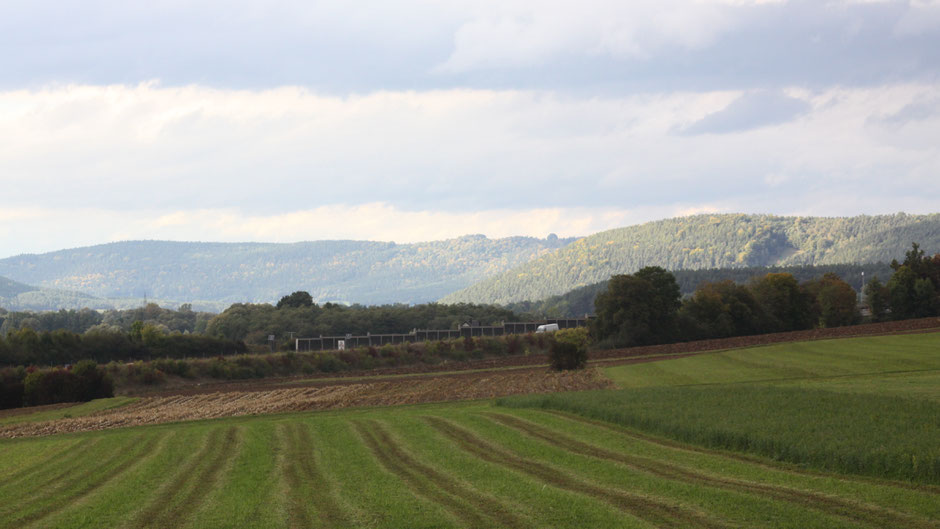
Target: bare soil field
{"points": [[182, 407]]}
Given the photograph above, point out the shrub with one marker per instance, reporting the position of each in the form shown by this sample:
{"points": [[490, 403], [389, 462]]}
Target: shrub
{"points": [[578, 336], [567, 355], [11, 387], [513, 344], [85, 382]]}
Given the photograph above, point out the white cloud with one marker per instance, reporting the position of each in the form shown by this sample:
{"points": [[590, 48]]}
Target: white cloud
{"points": [[147, 161], [520, 33]]}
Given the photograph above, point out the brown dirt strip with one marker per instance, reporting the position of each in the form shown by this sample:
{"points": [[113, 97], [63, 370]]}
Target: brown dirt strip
{"points": [[467, 505], [753, 460], [857, 512], [155, 410], [646, 508], [157, 513], [302, 468], [105, 473]]}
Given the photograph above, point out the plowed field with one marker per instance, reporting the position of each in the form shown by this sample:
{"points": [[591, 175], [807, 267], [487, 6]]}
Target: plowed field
{"points": [[173, 408]]}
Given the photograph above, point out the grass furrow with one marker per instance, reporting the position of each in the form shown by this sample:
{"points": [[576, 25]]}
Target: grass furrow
{"points": [[27, 456], [55, 472], [653, 510], [855, 511], [300, 468], [181, 496], [47, 504], [372, 496], [473, 508], [247, 490]]}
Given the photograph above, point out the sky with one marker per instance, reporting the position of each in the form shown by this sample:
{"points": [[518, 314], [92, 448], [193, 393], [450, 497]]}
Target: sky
{"points": [[419, 120]]}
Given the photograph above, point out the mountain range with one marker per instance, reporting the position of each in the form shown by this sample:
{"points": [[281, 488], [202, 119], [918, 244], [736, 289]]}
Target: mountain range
{"points": [[709, 241], [213, 274], [471, 268]]}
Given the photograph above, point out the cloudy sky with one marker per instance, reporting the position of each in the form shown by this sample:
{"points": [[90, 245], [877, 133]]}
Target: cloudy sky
{"points": [[417, 119]]}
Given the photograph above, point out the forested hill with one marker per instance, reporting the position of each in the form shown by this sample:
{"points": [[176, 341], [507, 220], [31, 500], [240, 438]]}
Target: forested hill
{"points": [[10, 288], [340, 271], [709, 241], [18, 296]]}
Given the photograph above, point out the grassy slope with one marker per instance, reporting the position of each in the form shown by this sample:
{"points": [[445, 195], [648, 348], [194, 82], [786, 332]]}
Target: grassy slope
{"points": [[78, 410], [915, 354], [862, 405], [443, 465]]}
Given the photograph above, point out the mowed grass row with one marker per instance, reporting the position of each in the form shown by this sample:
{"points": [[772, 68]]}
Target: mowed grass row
{"points": [[822, 361], [867, 406], [448, 465]]}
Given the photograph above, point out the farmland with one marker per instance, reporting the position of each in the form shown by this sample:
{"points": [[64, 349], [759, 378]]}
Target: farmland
{"points": [[525, 463]]}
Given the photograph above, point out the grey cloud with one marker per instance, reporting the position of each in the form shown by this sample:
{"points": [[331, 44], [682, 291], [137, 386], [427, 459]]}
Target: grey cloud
{"points": [[341, 47], [750, 111], [915, 111]]}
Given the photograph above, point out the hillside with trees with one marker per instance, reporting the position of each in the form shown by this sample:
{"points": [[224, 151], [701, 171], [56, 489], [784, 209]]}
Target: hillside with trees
{"points": [[19, 296], [708, 241], [224, 273]]}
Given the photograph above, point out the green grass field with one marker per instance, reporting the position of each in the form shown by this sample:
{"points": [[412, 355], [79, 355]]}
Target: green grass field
{"points": [[867, 406], [77, 410], [479, 465]]}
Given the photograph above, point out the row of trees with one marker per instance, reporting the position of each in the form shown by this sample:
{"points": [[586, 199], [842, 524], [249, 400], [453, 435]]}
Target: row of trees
{"points": [[27, 347], [912, 292], [580, 301], [32, 387], [647, 308], [298, 315], [182, 320]]}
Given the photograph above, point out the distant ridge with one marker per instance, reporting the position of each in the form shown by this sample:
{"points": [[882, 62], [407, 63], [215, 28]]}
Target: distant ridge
{"points": [[224, 273], [18, 296], [709, 241]]}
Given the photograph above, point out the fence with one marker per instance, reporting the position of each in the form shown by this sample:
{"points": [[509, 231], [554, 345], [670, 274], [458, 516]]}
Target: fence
{"points": [[332, 343]]}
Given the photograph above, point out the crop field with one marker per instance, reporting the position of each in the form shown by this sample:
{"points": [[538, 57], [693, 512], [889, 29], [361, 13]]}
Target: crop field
{"points": [[522, 463], [449, 465]]}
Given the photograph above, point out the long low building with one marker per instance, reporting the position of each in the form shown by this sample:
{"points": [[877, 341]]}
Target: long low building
{"points": [[471, 329]]}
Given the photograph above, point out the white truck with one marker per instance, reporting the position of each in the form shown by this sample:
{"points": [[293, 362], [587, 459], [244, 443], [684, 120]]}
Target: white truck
{"points": [[548, 327]]}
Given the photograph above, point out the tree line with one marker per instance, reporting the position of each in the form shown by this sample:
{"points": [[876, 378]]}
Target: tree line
{"points": [[647, 307], [580, 301]]}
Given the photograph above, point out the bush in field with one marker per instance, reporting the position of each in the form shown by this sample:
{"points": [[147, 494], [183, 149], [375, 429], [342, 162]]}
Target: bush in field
{"points": [[141, 372], [11, 387], [578, 336], [86, 381], [566, 355], [513, 344], [93, 382], [494, 346]]}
